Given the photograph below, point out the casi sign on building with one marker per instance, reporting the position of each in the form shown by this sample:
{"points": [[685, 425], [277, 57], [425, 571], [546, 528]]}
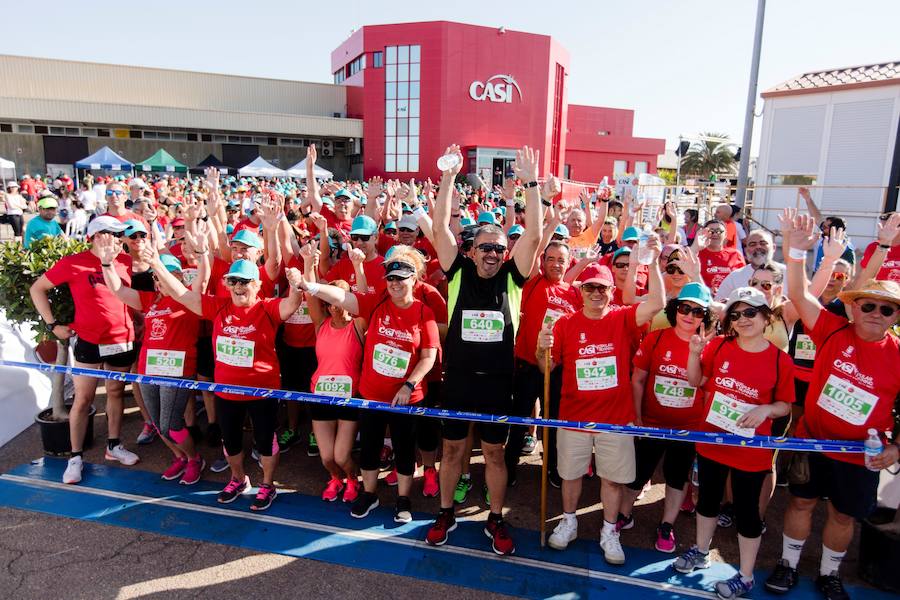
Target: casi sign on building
{"points": [[498, 88]]}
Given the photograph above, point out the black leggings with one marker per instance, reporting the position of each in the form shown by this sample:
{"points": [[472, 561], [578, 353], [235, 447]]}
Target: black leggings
{"points": [[528, 387], [263, 414], [428, 429], [745, 489], [677, 457], [372, 424]]}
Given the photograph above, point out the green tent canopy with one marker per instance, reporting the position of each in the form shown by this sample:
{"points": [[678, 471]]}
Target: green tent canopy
{"points": [[161, 161]]}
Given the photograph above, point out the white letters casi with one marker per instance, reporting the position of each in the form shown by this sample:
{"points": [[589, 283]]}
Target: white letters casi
{"points": [[498, 88]]}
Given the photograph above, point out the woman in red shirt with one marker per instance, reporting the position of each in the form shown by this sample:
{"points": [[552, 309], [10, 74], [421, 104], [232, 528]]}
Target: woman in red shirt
{"points": [[747, 382], [401, 346]]}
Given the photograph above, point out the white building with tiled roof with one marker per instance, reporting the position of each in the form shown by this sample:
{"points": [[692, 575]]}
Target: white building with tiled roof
{"points": [[835, 130]]}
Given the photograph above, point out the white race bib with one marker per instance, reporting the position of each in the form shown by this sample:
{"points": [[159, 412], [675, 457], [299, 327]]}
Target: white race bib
{"points": [[551, 317], [674, 393], [334, 385], [111, 349], [805, 348], [168, 363], [594, 374], [390, 361], [725, 411], [482, 326], [847, 401], [300, 316], [234, 352]]}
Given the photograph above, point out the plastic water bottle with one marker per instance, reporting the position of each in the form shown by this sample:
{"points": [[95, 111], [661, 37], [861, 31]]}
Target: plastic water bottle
{"points": [[873, 447], [695, 475], [644, 255], [447, 162]]}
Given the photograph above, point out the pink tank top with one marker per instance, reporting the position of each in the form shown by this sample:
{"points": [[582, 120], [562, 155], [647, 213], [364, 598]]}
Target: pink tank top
{"points": [[339, 352]]}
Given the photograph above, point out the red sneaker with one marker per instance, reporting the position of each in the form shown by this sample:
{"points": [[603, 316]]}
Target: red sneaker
{"points": [[441, 528], [688, 505], [387, 455], [351, 490], [498, 532], [391, 478], [431, 488], [332, 490]]}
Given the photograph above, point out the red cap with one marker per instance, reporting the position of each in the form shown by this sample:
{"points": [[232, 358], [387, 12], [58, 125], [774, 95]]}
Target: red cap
{"points": [[596, 273], [179, 222]]}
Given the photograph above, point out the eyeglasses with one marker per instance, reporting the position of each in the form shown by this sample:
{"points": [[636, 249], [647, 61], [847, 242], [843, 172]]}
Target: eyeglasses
{"points": [[672, 269], [360, 238], [487, 248], [687, 309], [621, 265], [396, 278], [407, 230], [137, 236], [839, 276], [886, 311], [115, 193], [592, 288], [235, 281], [749, 312], [716, 231], [766, 285]]}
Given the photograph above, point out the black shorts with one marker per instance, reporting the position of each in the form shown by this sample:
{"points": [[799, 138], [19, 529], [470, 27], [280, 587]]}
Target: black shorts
{"points": [[205, 362], [330, 412], [479, 393], [88, 353], [800, 389], [678, 458], [851, 488], [297, 366]]}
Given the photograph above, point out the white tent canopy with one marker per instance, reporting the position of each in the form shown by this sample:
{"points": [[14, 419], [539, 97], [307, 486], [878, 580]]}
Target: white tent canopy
{"points": [[261, 168], [299, 170], [7, 169]]}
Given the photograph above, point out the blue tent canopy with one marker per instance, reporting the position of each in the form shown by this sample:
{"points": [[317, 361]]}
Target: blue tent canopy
{"points": [[104, 158]]}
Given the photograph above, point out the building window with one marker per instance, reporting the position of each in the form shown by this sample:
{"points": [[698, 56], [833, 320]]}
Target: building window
{"points": [[358, 64], [620, 167], [339, 76], [641, 167], [401, 108], [24, 128], [567, 171], [378, 59]]}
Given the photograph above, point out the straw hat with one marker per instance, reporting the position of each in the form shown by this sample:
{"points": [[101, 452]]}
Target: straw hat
{"points": [[889, 291]]}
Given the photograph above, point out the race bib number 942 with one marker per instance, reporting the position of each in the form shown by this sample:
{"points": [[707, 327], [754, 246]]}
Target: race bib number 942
{"points": [[592, 374]]}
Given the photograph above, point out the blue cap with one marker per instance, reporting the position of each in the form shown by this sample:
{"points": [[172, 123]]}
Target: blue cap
{"points": [[500, 210], [696, 293], [248, 238], [363, 225], [170, 262], [133, 226], [229, 229], [405, 207], [391, 225], [232, 204], [243, 269], [327, 201], [387, 255], [631, 234], [561, 230], [466, 222], [620, 252], [516, 230], [486, 218], [344, 192]]}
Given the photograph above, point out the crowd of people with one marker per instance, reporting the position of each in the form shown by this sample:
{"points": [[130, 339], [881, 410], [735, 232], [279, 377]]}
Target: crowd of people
{"points": [[439, 294]]}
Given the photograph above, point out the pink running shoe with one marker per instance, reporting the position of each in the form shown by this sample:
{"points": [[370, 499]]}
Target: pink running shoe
{"points": [[332, 490], [431, 488], [176, 469], [391, 478], [351, 490], [193, 471], [665, 538]]}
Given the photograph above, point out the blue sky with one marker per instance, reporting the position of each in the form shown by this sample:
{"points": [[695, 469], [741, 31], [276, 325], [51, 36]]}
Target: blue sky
{"points": [[681, 65]]}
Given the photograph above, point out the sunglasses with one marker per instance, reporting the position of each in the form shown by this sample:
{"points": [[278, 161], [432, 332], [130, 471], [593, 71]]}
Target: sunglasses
{"points": [[360, 238], [390, 232], [115, 234], [137, 236], [766, 285], [716, 232], [687, 309], [396, 278], [486, 248], [672, 269], [592, 288], [747, 312], [115, 193], [621, 265], [839, 276], [514, 237], [886, 311], [234, 281]]}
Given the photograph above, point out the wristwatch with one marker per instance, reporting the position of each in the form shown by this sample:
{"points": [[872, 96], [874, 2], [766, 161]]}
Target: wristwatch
{"points": [[409, 385], [530, 184], [52, 326]]}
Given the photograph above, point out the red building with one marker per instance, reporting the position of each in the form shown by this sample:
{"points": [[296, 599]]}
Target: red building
{"points": [[422, 86]]}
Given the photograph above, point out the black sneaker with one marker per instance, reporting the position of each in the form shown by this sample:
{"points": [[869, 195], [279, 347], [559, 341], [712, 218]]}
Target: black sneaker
{"points": [[782, 579], [831, 587], [554, 479], [233, 489], [363, 505], [403, 510], [313, 448], [726, 516], [264, 497]]}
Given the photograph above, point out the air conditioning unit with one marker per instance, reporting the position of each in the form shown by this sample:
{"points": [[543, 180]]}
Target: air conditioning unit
{"points": [[327, 148]]}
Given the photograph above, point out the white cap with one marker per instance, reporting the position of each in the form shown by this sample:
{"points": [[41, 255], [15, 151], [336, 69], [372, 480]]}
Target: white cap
{"points": [[408, 222], [105, 224]]}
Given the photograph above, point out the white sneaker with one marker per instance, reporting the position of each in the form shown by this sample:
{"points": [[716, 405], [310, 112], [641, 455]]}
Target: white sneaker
{"points": [[566, 531], [612, 548], [73, 470], [119, 453]]}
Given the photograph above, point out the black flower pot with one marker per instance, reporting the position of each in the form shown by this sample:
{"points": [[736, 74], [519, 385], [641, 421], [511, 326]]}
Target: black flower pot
{"points": [[879, 552], [55, 434]]}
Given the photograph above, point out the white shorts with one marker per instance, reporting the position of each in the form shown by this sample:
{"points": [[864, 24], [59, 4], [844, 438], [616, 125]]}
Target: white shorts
{"points": [[615, 455]]}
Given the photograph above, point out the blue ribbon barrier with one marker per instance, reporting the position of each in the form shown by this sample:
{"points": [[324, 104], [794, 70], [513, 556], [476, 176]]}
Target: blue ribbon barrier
{"points": [[701, 437]]}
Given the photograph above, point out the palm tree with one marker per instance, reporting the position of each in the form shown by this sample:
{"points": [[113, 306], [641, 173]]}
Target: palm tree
{"points": [[708, 157]]}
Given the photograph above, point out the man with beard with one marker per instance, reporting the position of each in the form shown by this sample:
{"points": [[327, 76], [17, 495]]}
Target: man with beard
{"points": [[759, 251]]}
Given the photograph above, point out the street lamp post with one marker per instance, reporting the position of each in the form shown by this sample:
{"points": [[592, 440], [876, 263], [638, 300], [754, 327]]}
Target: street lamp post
{"points": [[744, 167]]}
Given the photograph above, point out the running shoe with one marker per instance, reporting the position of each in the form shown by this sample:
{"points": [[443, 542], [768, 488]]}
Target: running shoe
{"points": [[529, 445], [688, 505], [486, 493], [566, 531], [72, 473], [665, 538], [193, 471], [386, 457], [313, 448], [219, 465], [612, 547], [554, 479], [463, 487], [431, 487], [782, 579], [255, 455], [351, 489], [288, 439], [264, 497], [147, 434], [726, 515], [391, 478], [333, 489], [403, 510], [502, 543], [365, 503], [623, 522], [176, 469], [119, 453], [735, 587], [439, 532], [831, 587], [233, 489], [691, 560], [590, 471]]}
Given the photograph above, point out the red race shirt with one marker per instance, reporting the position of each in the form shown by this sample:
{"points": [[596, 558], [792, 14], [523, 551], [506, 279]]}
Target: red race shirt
{"points": [[299, 331], [668, 401], [890, 269], [393, 341], [596, 358], [374, 270], [738, 381], [542, 302], [244, 343], [715, 266], [100, 317], [853, 387], [247, 224], [342, 226], [170, 337]]}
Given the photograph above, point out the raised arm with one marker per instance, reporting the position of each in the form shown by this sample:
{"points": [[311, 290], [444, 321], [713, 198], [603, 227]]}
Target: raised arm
{"points": [[294, 299], [656, 294], [697, 344], [272, 215], [444, 240], [798, 234], [331, 295], [887, 231], [526, 168], [312, 186], [810, 205], [373, 191], [187, 298], [357, 259], [109, 249]]}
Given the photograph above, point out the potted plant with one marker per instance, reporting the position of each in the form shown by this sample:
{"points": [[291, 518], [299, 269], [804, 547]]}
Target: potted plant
{"points": [[19, 268]]}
